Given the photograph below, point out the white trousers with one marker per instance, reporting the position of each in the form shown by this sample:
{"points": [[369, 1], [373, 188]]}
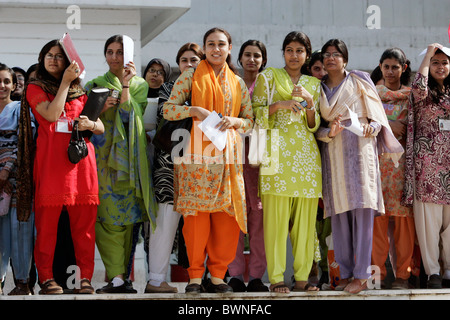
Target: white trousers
{"points": [[432, 225], [161, 242]]}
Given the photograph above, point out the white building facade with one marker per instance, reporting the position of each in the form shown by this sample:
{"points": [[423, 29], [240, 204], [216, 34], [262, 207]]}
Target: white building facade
{"points": [[368, 27], [26, 26]]}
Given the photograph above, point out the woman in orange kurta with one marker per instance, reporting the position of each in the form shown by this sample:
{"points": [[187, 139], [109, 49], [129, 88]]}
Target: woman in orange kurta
{"points": [[394, 93], [55, 97], [208, 183]]}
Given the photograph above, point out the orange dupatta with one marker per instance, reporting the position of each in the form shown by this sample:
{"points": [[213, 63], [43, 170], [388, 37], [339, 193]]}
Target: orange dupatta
{"points": [[208, 179]]}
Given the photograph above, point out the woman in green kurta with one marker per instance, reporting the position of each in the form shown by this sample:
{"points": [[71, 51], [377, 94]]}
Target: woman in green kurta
{"points": [[291, 175], [125, 188]]}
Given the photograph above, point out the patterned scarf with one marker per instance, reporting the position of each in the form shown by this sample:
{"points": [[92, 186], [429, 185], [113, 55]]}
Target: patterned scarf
{"points": [[362, 98]]}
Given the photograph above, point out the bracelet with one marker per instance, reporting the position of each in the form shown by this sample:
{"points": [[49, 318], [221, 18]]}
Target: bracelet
{"points": [[312, 108], [95, 126], [125, 86]]}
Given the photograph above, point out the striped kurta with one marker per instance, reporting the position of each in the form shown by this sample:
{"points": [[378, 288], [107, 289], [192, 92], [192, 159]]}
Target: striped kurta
{"points": [[353, 179]]}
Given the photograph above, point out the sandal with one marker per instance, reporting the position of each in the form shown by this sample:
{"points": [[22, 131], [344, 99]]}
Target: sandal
{"points": [[85, 287], [279, 287], [307, 287], [356, 286], [342, 284]]}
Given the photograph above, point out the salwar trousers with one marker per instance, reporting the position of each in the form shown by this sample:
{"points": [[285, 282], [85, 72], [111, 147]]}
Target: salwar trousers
{"points": [[161, 241], [401, 241], [16, 243], [285, 216], [82, 226], [114, 244], [433, 228], [257, 257], [213, 235], [352, 238]]}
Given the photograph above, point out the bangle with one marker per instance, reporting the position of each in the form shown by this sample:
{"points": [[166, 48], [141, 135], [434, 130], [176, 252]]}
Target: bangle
{"points": [[311, 108]]}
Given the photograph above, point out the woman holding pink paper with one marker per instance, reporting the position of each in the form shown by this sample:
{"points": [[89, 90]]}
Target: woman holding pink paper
{"points": [[56, 98]]}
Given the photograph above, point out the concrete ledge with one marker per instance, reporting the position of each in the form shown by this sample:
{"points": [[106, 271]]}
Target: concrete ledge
{"points": [[412, 294]]}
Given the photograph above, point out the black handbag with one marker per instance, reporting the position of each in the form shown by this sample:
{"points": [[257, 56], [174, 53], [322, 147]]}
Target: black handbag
{"points": [[77, 149], [164, 138]]}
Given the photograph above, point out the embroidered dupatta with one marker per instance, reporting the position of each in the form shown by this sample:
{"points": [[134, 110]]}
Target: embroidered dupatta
{"points": [[124, 152], [207, 179], [362, 98]]}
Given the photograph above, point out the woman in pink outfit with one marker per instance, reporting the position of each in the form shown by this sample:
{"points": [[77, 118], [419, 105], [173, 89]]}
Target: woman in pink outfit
{"points": [[253, 58]]}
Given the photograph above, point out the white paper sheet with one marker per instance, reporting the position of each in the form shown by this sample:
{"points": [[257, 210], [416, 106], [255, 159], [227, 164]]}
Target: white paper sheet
{"points": [[208, 126], [128, 50], [355, 126], [150, 114], [444, 49]]}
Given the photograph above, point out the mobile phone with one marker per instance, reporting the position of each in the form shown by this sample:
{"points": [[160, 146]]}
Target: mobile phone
{"points": [[303, 103], [115, 93]]}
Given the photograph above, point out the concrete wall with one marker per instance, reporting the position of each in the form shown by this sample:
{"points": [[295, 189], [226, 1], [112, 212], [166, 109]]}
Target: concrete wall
{"points": [[24, 31], [408, 24]]}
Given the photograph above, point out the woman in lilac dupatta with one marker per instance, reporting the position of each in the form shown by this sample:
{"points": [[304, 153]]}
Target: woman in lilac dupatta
{"points": [[351, 179]]}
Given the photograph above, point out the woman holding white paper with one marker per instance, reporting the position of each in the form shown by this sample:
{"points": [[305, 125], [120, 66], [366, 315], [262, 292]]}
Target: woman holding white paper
{"points": [[427, 166], [208, 183], [124, 172], [351, 179]]}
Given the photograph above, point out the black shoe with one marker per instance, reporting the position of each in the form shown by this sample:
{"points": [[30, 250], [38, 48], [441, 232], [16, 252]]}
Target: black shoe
{"points": [[109, 288], [194, 288], [434, 282], [237, 285], [129, 287], [219, 288], [256, 285], [445, 283]]}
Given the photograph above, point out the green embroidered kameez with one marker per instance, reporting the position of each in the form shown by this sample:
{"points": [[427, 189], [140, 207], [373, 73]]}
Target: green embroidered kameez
{"points": [[125, 183]]}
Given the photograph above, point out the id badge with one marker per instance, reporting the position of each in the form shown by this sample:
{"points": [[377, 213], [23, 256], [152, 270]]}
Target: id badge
{"points": [[444, 124], [64, 124]]}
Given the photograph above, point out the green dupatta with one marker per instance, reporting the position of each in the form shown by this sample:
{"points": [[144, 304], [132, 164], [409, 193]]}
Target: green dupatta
{"points": [[123, 148]]}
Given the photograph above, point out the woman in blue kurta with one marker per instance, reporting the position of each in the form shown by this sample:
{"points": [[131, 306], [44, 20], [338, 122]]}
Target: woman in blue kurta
{"points": [[16, 237]]}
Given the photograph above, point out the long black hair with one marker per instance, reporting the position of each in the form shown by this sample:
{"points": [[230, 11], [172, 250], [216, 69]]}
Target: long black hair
{"points": [[42, 73], [436, 92], [4, 67], [225, 32], [261, 47], [340, 46], [399, 55]]}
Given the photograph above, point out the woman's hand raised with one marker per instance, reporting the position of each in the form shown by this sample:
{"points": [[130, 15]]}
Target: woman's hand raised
{"points": [[71, 73]]}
